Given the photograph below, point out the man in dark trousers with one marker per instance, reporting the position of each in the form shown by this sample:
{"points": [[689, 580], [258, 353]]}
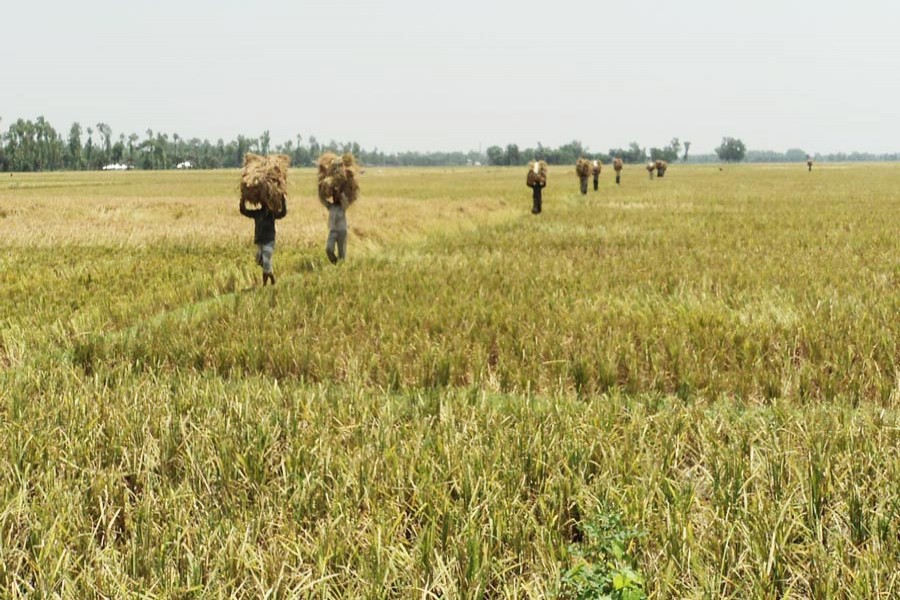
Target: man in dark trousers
{"points": [[536, 189], [595, 171], [264, 235]]}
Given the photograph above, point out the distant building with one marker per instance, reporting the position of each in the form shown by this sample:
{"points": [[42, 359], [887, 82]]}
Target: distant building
{"points": [[185, 165], [116, 167]]}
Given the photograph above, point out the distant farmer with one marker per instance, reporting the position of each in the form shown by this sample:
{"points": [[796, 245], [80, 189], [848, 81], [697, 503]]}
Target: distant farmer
{"points": [[338, 189], [651, 167], [264, 184], [618, 166], [583, 170], [537, 181], [809, 162], [596, 166], [264, 235], [661, 167]]}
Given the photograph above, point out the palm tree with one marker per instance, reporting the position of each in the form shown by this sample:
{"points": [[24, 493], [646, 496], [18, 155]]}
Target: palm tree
{"points": [[131, 140], [89, 147]]}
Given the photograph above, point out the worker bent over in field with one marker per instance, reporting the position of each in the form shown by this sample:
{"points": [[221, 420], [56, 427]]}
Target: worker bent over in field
{"points": [[337, 225], [264, 235]]}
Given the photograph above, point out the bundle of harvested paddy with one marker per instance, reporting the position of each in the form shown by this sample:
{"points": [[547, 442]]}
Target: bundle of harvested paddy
{"points": [[651, 166], [264, 180], [583, 167], [617, 165], [537, 173], [661, 167], [338, 175], [596, 167]]}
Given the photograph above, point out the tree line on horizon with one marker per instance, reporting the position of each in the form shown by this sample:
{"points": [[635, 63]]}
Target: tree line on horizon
{"points": [[37, 146]]}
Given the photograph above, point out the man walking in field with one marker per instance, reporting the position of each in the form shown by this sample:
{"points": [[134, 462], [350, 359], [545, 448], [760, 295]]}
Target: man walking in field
{"points": [[337, 225], [595, 171], [583, 170], [537, 196], [617, 165], [537, 181], [338, 189], [264, 235]]}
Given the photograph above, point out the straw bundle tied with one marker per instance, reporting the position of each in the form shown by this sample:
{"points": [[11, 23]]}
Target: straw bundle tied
{"points": [[583, 167], [596, 167], [537, 172], [264, 180], [617, 165], [661, 167], [338, 175]]}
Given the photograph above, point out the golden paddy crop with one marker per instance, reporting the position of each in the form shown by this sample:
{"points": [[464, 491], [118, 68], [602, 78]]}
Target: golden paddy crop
{"points": [[710, 360]]}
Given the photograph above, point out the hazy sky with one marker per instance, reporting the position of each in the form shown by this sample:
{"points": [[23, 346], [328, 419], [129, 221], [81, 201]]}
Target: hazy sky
{"points": [[418, 75]]}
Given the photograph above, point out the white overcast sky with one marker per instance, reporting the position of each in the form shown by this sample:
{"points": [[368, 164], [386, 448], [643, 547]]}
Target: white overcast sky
{"points": [[420, 75]]}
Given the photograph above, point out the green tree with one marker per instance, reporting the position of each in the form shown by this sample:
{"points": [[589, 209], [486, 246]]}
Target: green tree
{"points": [[118, 150], [89, 148], [571, 152], [795, 155], [105, 132], [634, 154], [674, 149], [177, 154], [496, 156], [132, 138], [512, 155], [731, 150], [667, 153], [147, 150], [4, 166], [243, 146], [160, 157]]}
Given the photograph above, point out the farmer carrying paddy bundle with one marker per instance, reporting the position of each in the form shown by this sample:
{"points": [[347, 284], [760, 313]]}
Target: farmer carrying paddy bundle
{"points": [[338, 189], [583, 170], [264, 183], [651, 168], [661, 167], [537, 181], [618, 166], [596, 167], [809, 162]]}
